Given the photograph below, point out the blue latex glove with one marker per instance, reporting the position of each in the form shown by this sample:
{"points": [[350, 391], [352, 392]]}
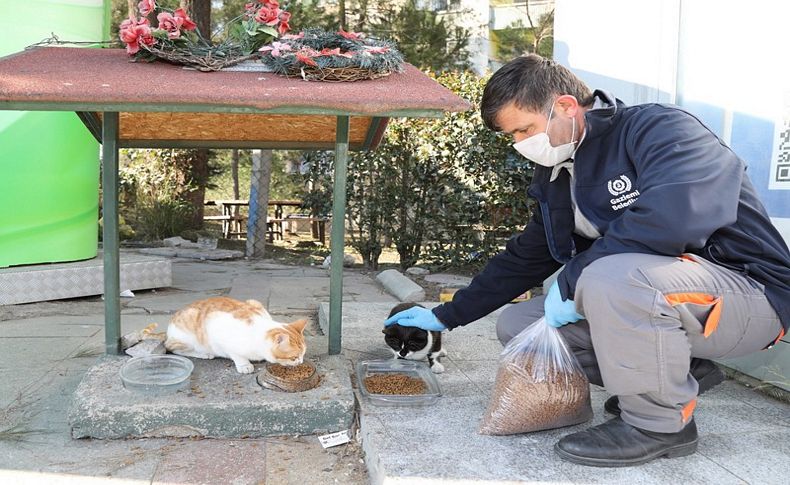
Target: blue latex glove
{"points": [[416, 317], [559, 312]]}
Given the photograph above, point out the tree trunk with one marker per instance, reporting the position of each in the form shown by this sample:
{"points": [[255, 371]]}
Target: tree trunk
{"points": [[259, 202], [198, 167], [234, 172], [342, 8], [197, 172], [201, 14]]}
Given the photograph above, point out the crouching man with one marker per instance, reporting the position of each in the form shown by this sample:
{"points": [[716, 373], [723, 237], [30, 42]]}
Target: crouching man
{"points": [[670, 259]]}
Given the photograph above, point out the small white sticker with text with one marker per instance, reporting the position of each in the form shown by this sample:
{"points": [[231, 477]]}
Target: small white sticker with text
{"points": [[334, 439]]}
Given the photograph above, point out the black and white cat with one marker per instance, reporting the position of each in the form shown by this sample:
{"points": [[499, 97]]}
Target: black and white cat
{"points": [[414, 343]]}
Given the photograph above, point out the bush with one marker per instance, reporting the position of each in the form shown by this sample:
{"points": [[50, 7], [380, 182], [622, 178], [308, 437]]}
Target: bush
{"points": [[153, 189]]}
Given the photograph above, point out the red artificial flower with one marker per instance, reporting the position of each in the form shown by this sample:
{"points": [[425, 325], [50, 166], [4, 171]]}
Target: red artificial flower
{"points": [[268, 16], [272, 4], [306, 56], [146, 6], [349, 35], [326, 51], [134, 32], [187, 23]]}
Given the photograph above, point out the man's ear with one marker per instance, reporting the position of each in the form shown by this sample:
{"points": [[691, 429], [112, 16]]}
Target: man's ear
{"points": [[568, 104]]}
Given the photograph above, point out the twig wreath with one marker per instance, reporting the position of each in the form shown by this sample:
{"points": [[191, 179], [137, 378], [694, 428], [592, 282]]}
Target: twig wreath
{"points": [[317, 55]]}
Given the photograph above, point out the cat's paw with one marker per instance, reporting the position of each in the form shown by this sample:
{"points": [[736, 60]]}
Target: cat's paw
{"points": [[245, 368], [442, 352], [437, 368]]}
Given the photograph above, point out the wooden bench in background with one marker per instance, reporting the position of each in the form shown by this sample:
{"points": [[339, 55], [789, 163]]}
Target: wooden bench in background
{"points": [[234, 223]]}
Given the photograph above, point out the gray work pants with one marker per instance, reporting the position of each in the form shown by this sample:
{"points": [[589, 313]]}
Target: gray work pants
{"points": [[646, 316]]}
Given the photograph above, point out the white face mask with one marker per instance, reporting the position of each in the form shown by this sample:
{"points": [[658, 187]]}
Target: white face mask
{"points": [[538, 148]]}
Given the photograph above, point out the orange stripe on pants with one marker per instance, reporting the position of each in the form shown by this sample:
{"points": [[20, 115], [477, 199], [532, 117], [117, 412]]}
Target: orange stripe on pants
{"points": [[688, 410], [700, 299]]}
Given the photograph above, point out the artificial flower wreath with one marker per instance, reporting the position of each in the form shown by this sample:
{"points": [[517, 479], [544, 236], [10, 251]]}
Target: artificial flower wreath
{"points": [[332, 56], [177, 40]]}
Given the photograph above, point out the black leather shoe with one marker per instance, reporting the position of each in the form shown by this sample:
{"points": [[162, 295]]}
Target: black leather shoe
{"points": [[707, 374], [616, 443]]}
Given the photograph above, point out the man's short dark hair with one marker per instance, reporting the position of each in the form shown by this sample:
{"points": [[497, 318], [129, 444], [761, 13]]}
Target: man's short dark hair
{"points": [[532, 83]]}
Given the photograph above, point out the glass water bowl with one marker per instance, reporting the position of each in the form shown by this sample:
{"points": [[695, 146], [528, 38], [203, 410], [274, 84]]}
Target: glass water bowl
{"points": [[156, 373]]}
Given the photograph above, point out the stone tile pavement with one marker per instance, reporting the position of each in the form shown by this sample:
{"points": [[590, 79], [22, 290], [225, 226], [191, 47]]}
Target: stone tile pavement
{"points": [[45, 349]]}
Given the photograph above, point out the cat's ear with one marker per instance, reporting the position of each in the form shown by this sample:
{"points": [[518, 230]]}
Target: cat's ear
{"points": [[281, 338], [298, 325]]}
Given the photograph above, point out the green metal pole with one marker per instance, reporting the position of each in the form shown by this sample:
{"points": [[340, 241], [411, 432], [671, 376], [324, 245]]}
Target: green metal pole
{"points": [[112, 280], [338, 235]]}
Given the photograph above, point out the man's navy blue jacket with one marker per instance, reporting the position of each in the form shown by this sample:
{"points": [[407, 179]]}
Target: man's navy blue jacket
{"points": [[652, 179]]}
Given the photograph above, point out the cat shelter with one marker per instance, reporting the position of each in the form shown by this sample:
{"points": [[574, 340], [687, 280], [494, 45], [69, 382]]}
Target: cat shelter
{"points": [[158, 105]]}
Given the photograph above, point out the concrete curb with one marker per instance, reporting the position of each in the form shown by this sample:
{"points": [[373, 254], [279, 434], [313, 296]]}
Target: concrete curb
{"points": [[400, 286], [220, 403]]}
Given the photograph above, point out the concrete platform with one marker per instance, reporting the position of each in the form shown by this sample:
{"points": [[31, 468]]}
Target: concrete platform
{"points": [[219, 403], [45, 282], [744, 435]]}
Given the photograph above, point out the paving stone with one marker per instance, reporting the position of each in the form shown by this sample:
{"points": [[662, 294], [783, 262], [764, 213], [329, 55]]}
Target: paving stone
{"points": [[54, 326], [417, 271], [146, 347], [170, 302], [449, 279], [746, 454], [211, 461]]}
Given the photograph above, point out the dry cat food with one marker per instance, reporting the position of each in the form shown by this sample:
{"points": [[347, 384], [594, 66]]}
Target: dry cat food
{"points": [[395, 384], [291, 373], [521, 403]]}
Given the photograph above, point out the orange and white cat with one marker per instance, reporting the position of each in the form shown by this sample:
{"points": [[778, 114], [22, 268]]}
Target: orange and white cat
{"points": [[238, 330]]}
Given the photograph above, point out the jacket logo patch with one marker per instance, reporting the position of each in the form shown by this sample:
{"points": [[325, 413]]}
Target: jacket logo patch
{"points": [[620, 185], [621, 189]]}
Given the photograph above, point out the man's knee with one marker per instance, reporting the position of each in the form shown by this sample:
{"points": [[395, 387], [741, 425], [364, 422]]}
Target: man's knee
{"points": [[603, 277], [516, 318]]}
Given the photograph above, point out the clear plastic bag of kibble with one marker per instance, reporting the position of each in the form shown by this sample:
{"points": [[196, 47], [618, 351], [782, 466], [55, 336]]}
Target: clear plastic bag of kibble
{"points": [[539, 385]]}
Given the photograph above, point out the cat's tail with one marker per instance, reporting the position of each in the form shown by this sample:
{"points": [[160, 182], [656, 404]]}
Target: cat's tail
{"points": [[176, 346]]}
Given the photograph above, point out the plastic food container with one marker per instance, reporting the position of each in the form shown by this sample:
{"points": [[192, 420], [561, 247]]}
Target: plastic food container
{"points": [[419, 370], [156, 373]]}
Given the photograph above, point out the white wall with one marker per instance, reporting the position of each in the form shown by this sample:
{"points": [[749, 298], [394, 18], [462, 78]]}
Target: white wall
{"points": [[723, 60]]}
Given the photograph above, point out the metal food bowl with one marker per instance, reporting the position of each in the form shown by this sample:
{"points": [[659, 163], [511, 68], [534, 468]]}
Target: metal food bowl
{"points": [[270, 381], [156, 373]]}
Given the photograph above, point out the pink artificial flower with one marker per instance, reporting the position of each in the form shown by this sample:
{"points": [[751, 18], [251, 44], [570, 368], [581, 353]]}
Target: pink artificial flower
{"points": [[276, 48], [187, 24], [272, 4], [376, 50], [171, 24], [134, 32], [298, 36], [349, 35], [146, 6]]}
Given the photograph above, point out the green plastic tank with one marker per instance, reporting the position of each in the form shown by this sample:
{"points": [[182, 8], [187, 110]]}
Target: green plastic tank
{"points": [[49, 162]]}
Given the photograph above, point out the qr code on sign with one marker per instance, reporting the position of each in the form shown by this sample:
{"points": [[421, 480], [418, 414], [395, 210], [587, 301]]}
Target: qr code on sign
{"points": [[780, 163]]}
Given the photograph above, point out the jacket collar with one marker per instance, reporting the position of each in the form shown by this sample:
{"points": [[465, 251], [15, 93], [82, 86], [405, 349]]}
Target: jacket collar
{"points": [[601, 116]]}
